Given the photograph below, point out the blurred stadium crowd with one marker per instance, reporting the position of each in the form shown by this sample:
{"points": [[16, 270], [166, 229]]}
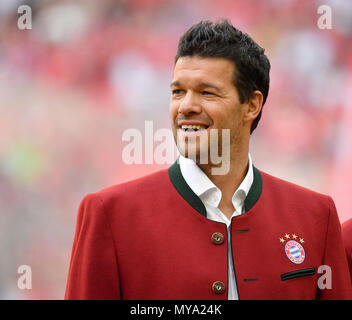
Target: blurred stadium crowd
{"points": [[88, 70]]}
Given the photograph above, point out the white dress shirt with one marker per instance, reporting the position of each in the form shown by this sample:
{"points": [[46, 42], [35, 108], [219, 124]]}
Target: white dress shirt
{"points": [[211, 195]]}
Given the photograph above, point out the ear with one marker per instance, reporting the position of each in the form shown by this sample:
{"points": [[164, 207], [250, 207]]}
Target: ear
{"points": [[255, 104]]}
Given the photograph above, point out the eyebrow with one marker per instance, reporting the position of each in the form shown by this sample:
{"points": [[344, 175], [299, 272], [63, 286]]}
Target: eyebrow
{"points": [[201, 85]]}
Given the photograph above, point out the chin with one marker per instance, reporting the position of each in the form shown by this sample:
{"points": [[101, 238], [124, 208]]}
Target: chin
{"points": [[199, 154]]}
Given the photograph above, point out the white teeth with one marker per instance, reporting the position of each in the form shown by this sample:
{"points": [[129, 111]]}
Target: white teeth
{"points": [[192, 126]]}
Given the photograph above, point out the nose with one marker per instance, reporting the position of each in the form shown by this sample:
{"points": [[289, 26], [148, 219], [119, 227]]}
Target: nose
{"points": [[189, 104]]}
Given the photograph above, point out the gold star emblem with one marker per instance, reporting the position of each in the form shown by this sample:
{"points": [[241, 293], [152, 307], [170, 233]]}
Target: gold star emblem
{"points": [[287, 236], [294, 236], [301, 240], [282, 240]]}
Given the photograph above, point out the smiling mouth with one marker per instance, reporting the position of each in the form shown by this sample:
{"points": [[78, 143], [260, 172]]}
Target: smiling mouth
{"points": [[193, 128]]}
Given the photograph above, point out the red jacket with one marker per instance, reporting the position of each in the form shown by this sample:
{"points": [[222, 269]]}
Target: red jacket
{"points": [[150, 239], [347, 237]]}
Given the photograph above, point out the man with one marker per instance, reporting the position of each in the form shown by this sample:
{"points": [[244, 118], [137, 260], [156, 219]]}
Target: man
{"points": [[210, 229], [347, 238]]}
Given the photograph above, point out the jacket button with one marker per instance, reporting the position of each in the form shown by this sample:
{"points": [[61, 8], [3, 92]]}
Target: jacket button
{"points": [[217, 238], [218, 287]]}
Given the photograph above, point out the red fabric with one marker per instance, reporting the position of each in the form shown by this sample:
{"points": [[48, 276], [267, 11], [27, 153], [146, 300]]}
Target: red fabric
{"points": [[142, 240], [347, 238]]}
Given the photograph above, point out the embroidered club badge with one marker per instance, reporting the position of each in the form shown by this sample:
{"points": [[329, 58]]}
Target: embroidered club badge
{"points": [[295, 251]]}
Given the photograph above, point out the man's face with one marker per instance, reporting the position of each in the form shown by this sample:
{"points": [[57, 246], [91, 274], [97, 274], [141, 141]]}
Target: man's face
{"points": [[203, 97]]}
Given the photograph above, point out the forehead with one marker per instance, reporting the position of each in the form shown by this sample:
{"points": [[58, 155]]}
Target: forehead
{"points": [[198, 69]]}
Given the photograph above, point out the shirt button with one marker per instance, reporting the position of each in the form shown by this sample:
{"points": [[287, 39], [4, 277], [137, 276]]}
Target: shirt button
{"points": [[218, 287], [217, 238]]}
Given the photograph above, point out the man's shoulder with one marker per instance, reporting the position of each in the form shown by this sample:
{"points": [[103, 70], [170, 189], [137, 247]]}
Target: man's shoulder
{"points": [[347, 225], [290, 190], [138, 188], [347, 233]]}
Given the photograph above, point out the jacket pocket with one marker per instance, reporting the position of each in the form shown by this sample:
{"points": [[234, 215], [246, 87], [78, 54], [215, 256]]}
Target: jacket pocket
{"points": [[298, 274]]}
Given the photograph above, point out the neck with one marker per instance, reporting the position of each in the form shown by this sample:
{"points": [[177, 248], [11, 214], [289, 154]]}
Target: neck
{"points": [[229, 183]]}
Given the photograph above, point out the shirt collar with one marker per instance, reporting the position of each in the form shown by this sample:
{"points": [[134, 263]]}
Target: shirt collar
{"points": [[207, 191], [197, 180]]}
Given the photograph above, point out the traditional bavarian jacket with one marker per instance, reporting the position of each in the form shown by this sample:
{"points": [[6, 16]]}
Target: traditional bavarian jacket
{"points": [[347, 237], [150, 239]]}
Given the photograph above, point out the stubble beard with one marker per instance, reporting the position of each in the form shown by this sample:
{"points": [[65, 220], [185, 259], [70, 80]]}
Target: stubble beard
{"points": [[203, 153]]}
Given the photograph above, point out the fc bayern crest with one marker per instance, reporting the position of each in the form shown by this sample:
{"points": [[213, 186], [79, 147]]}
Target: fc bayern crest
{"points": [[295, 251]]}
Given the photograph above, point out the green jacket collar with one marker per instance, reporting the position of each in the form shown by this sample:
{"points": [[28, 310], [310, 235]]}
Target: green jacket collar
{"points": [[186, 192]]}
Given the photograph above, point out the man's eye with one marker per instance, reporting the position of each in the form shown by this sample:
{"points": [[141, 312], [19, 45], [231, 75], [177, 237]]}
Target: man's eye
{"points": [[176, 91], [207, 93]]}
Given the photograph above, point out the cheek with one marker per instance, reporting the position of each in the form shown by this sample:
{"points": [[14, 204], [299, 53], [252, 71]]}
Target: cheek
{"points": [[173, 109], [220, 112], [220, 119]]}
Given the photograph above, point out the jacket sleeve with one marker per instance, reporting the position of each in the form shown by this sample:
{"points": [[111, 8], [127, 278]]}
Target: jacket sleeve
{"points": [[335, 258], [347, 237], [93, 272]]}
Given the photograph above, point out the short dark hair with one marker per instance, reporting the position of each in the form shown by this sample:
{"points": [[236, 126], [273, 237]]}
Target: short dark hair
{"points": [[223, 40]]}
